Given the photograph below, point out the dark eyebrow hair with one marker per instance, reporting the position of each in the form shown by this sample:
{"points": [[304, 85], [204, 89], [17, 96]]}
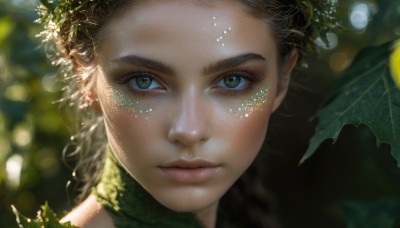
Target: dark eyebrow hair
{"points": [[232, 62], [220, 65], [146, 63]]}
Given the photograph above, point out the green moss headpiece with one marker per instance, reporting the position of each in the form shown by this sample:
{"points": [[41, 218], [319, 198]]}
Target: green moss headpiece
{"points": [[64, 19], [321, 18]]}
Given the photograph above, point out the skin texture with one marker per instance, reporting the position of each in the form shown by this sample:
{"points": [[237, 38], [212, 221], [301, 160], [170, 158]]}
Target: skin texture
{"points": [[188, 112], [89, 214]]}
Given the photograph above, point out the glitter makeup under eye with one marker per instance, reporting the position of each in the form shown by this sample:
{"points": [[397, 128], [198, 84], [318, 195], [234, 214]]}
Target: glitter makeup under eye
{"points": [[251, 104], [121, 101]]}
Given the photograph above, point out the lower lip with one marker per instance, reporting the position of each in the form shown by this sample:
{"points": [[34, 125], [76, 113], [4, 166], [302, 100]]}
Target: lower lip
{"points": [[189, 176]]}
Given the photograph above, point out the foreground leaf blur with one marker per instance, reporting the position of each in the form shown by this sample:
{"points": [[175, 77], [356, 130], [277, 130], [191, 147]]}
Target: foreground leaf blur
{"points": [[46, 218]]}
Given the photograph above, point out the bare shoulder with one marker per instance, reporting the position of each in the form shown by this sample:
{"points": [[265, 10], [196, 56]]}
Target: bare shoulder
{"points": [[89, 214]]}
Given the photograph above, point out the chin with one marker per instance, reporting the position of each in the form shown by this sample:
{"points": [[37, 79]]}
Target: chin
{"points": [[189, 199]]}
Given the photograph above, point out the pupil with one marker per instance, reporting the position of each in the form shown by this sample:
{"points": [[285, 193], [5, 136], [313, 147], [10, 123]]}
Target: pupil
{"points": [[232, 81], [143, 82]]}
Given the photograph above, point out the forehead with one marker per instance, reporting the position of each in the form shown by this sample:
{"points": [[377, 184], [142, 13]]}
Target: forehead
{"points": [[168, 25]]}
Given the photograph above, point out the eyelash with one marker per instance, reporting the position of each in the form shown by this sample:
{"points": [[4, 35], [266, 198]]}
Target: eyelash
{"points": [[126, 79], [250, 80]]}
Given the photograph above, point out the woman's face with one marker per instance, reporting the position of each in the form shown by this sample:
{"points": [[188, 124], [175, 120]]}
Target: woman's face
{"points": [[186, 90]]}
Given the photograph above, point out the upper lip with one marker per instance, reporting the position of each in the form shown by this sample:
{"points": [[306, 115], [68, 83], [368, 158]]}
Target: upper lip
{"points": [[189, 164]]}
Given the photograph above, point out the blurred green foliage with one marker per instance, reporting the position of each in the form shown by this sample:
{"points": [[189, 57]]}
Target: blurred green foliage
{"points": [[32, 132], [349, 184]]}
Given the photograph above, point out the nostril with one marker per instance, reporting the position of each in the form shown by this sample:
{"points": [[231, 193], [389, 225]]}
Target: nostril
{"points": [[186, 137]]}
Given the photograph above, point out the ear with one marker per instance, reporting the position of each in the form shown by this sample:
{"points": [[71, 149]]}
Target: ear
{"points": [[285, 71], [91, 100], [88, 88]]}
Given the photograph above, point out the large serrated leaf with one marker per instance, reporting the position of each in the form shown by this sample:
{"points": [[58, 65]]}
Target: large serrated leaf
{"points": [[365, 94]]}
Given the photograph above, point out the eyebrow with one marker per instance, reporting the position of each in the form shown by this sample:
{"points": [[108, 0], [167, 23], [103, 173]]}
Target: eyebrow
{"points": [[146, 63], [218, 66], [232, 62]]}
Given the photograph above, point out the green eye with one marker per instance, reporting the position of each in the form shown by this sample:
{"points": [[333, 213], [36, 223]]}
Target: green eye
{"points": [[143, 82], [232, 81]]}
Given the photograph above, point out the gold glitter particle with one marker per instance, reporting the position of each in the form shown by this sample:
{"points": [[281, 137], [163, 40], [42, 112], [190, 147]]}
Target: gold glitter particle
{"points": [[121, 101], [251, 105]]}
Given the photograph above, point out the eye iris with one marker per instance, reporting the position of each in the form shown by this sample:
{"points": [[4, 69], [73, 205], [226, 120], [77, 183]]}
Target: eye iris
{"points": [[232, 81], [143, 82]]}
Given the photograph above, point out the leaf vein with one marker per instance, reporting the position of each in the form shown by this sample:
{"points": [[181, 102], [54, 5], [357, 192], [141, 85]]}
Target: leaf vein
{"points": [[361, 96], [389, 100], [365, 74]]}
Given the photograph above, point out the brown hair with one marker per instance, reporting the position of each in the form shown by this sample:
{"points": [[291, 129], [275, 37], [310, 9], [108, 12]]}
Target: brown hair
{"points": [[75, 47]]}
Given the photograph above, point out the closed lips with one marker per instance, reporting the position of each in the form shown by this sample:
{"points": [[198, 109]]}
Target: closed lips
{"points": [[190, 171]]}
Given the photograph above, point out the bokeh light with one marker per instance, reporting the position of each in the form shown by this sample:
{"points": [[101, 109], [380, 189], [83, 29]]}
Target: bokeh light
{"points": [[13, 170], [339, 61], [22, 135], [17, 92], [332, 43], [360, 15], [50, 83]]}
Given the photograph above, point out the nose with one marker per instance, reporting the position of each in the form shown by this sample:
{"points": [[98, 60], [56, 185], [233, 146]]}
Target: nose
{"points": [[189, 125]]}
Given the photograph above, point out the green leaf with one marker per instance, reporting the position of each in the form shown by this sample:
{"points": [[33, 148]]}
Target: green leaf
{"points": [[46, 218], [23, 221], [47, 4], [365, 94]]}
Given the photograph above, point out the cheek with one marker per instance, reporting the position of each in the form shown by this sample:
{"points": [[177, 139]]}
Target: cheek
{"points": [[245, 135], [131, 137], [125, 116], [249, 119], [248, 135], [128, 124]]}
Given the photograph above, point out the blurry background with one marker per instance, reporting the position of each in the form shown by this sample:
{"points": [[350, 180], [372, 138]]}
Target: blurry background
{"points": [[350, 182]]}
